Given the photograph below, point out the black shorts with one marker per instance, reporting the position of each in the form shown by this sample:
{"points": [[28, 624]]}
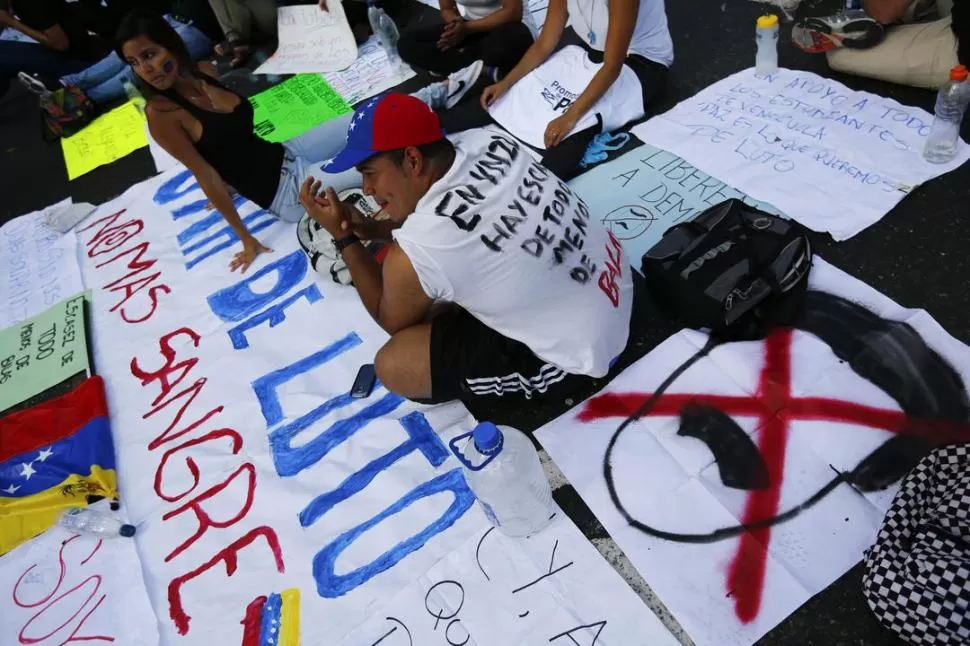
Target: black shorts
{"points": [[470, 360]]}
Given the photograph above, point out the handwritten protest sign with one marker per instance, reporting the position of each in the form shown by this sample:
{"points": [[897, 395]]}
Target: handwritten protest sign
{"points": [[239, 445], [294, 106], [106, 139], [38, 266], [64, 588], [643, 193], [42, 351], [370, 74], [311, 40], [834, 159]]}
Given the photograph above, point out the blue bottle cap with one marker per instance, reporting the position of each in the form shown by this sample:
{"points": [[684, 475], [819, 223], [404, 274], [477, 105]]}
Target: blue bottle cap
{"points": [[488, 438], [127, 530]]}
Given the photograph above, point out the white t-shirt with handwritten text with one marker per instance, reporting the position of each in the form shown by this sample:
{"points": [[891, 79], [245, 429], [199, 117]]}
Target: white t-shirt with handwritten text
{"points": [[546, 93], [505, 239]]}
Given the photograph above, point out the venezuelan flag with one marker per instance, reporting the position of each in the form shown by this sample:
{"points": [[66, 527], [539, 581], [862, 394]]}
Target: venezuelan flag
{"points": [[53, 456], [273, 620]]}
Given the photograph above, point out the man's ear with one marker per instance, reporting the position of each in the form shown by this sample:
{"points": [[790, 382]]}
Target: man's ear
{"points": [[413, 160]]}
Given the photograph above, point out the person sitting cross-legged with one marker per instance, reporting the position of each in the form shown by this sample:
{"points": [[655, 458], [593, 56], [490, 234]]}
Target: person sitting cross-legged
{"points": [[911, 42], [497, 32], [498, 283]]}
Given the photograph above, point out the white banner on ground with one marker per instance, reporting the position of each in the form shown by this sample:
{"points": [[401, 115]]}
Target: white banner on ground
{"points": [[756, 430], [269, 498], [64, 588], [834, 159], [370, 74], [311, 40], [644, 192], [38, 266]]}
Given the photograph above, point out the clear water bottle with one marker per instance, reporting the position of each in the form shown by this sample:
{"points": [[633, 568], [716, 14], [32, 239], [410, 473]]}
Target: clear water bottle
{"points": [[386, 31], [951, 103], [502, 468], [135, 96], [90, 521], [766, 38]]}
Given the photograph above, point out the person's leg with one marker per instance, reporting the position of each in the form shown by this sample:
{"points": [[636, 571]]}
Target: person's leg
{"points": [[419, 48], [102, 71], [504, 46], [33, 58], [233, 19], [195, 40], [456, 356], [264, 16], [920, 55], [305, 155]]}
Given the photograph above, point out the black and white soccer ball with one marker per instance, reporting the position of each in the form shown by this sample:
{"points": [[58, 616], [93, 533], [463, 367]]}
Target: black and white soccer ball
{"points": [[318, 244]]}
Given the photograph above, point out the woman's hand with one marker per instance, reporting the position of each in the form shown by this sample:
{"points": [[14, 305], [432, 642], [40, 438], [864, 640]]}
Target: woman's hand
{"points": [[325, 208], [251, 248], [558, 129], [452, 35], [493, 93]]}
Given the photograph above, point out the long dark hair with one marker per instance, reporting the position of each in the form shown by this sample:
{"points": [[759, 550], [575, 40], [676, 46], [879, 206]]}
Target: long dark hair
{"points": [[154, 27]]}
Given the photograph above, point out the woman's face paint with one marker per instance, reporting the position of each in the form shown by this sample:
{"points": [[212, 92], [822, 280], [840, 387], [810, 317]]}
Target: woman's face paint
{"points": [[152, 63]]}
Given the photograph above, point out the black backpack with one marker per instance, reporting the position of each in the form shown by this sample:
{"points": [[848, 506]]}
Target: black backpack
{"points": [[732, 269]]}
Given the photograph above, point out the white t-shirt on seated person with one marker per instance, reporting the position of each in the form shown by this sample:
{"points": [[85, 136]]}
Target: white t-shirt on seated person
{"points": [[475, 9], [651, 36], [509, 242]]}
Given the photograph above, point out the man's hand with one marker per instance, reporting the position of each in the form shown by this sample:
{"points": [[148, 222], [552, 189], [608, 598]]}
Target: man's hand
{"points": [[251, 248], [558, 129], [325, 208], [452, 35]]}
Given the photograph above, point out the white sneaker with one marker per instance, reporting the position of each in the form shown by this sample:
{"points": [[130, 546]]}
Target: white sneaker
{"points": [[461, 81]]}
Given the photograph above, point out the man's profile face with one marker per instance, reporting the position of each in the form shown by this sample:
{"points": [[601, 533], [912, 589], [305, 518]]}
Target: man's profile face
{"points": [[396, 186]]}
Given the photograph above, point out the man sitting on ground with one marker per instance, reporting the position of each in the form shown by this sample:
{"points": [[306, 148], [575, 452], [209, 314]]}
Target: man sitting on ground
{"points": [[535, 294], [866, 40]]}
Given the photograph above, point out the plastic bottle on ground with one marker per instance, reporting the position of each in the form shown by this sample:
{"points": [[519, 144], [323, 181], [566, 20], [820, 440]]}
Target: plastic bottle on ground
{"points": [[766, 38], [98, 523], [951, 103], [502, 468], [386, 31]]}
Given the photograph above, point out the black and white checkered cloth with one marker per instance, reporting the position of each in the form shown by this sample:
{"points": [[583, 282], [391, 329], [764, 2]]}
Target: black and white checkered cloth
{"points": [[917, 575]]}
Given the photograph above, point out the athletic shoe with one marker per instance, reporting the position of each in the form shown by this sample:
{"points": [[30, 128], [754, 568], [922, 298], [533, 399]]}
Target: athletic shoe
{"points": [[461, 81], [434, 95], [34, 84], [850, 29]]}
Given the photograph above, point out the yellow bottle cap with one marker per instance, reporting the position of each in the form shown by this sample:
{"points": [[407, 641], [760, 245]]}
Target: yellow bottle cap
{"points": [[767, 22]]}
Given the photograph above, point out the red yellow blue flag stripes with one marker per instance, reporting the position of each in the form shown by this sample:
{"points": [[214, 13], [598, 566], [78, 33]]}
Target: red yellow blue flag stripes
{"points": [[273, 620], [55, 455]]}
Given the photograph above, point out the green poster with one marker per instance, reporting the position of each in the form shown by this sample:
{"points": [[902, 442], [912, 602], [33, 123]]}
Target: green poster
{"points": [[42, 352], [294, 106]]}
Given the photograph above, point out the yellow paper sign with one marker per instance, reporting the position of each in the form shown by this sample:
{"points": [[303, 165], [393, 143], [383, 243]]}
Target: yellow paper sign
{"points": [[109, 137]]}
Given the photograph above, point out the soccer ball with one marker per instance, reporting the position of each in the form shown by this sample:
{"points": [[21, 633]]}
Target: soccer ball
{"points": [[318, 244]]}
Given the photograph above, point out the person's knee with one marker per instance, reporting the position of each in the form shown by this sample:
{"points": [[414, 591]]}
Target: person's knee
{"points": [[407, 47], [388, 368]]}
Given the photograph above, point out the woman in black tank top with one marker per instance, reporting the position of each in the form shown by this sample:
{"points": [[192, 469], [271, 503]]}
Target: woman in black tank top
{"points": [[209, 128]]}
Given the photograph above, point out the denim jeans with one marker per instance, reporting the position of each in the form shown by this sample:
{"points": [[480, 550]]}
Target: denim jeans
{"points": [[33, 58], [104, 81], [304, 156]]}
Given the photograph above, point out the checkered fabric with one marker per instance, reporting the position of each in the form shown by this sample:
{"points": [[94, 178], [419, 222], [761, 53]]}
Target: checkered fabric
{"points": [[917, 575]]}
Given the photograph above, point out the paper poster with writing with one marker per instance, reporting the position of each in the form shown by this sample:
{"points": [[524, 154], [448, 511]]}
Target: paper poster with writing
{"points": [[295, 106], [644, 192], [267, 497], [834, 159], [110, 137], [762, 473], [43, 351], [311, 40], [370, 74], [38, 266], [66, 588]]}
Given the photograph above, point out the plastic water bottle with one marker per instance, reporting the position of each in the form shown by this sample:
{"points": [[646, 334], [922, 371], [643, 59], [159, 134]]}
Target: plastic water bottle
{"points": [[90, 521], [134, 96], [766, 38], [951, 103], [386, 31], [502, 468]]}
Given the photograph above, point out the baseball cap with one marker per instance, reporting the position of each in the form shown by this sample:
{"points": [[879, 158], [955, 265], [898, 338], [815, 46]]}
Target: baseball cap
{"points": [[389, 122]]}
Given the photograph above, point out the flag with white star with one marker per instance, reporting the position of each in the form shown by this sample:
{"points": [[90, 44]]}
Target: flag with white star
{"points": [[53, 456]]}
